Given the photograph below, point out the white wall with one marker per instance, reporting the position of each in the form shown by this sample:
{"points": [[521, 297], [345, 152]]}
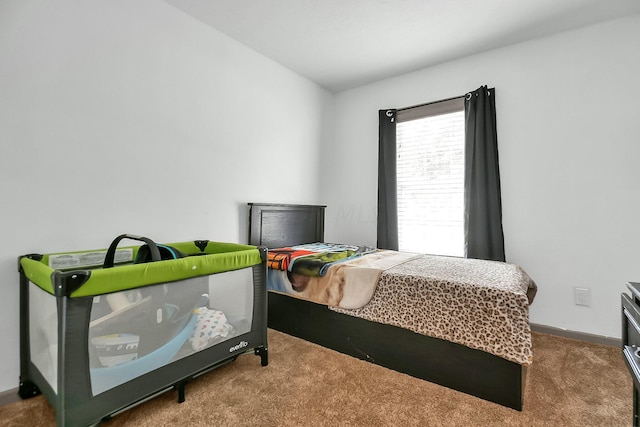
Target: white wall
{"points": [[568, 111], [120, 116]]}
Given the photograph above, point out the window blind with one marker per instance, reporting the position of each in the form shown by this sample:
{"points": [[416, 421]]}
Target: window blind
{"points": [[430, 179]]}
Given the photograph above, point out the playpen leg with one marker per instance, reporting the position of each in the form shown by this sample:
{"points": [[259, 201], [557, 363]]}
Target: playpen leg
{"points": [[28, 389], [264, 355], [180, 387]]}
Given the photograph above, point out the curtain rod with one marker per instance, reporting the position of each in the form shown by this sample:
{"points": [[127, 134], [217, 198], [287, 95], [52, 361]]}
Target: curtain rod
{"points": [[437, 102]]}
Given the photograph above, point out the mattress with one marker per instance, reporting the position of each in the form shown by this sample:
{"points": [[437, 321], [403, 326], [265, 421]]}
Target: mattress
{"points": [[481, 304]]}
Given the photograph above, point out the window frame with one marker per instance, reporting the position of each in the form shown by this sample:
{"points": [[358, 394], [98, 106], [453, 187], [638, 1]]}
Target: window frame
{"points": [[433, 109]]}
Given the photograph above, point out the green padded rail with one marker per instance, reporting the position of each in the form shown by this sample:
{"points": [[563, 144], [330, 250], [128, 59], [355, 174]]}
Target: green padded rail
{"points": [[217, 258]]}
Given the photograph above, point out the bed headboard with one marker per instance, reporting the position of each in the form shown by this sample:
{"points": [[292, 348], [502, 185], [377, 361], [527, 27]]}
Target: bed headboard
{"points": [[279, 225]]}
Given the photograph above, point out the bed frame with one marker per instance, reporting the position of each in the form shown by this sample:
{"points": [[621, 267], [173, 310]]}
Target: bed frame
{"points": [[452, 365]]}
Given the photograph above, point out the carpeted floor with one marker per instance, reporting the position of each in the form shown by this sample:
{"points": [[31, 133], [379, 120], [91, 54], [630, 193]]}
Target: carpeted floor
{"points": [[571, 383]]}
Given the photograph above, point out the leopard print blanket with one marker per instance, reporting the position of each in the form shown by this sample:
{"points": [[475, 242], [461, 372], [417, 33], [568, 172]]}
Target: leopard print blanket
{"points": [[480, 304]]}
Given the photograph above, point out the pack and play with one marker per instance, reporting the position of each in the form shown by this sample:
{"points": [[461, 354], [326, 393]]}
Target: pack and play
{"points": [[103, 330]]}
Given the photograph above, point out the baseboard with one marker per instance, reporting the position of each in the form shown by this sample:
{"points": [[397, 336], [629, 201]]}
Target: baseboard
{"points": [[582, 336], [9, 396]]}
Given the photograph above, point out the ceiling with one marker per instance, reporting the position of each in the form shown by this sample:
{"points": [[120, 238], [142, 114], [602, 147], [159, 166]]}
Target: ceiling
{"points": [[341, 44]]}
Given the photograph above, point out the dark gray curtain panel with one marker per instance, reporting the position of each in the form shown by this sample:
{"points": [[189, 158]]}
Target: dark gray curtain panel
{"points": [[483, 204], [387, 197]]}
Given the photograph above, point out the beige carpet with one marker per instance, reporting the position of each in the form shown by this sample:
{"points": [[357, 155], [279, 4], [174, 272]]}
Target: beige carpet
{"points": [[571, 383]]}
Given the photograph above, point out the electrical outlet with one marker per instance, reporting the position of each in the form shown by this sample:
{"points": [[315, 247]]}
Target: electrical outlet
{"points": [[582, 296]]}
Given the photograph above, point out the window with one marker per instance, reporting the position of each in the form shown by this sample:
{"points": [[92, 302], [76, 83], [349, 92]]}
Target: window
{"points": [[430, 178]]}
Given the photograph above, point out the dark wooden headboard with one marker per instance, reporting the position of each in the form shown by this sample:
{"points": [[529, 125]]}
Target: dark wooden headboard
{"points": [[279, 225]]}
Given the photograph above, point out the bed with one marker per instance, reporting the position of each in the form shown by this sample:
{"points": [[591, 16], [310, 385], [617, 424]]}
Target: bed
{"points": [[456, 347]]}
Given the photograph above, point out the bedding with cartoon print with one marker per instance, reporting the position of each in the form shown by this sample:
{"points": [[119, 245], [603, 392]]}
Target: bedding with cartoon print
{"points": [[333, 274]]}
